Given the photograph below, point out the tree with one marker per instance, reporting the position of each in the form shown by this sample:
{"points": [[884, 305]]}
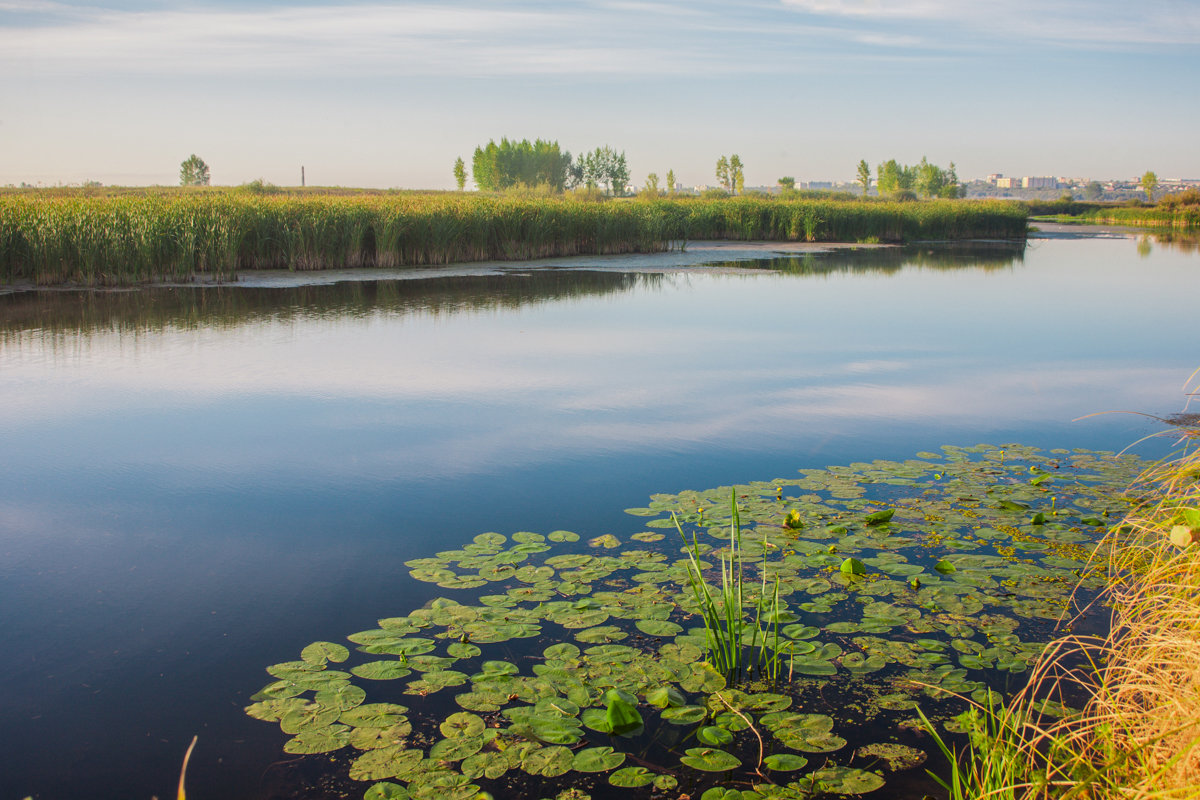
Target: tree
{"points": [[651, 187], [1093, 191], [670, 181], [460, 173], [787, 183], [864, 175], [1149, 184], [930, 179], [888, 175], [604, 166], [729, 173], [193, 171], [511, 163]]}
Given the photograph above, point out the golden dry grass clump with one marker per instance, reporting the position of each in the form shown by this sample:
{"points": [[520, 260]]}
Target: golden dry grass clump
{"points": [[1138, 734], [1146, 710]]}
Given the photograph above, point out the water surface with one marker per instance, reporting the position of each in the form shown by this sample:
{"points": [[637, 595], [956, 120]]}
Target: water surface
{"points": [[197, 482]]}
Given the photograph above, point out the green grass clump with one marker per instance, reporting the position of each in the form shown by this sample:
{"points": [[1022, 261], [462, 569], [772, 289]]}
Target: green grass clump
{"points": [[737, 646], [91, 238]]}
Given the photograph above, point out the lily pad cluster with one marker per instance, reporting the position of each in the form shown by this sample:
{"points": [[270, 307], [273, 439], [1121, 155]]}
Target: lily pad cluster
{"points": [[576, 666]]}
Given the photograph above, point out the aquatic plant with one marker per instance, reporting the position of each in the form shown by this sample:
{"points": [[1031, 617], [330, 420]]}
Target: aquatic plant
{"points": [[732, 643], [581, 663]]}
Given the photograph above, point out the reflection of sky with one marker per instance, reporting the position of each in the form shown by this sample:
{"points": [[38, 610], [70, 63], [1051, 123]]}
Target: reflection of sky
{"points": [[714, 359], [179, 508]]}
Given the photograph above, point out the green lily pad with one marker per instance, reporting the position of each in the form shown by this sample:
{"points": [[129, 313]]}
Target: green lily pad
{"points": [[381, 670], [385, 762], [308, 717], [631, 777], [684, 715], [665, 696], [318, 740], [785, 762], [321, 652], [852, 566], [713, 736], [385, 790], [844, 780], [601, 633], [549, 762], [462, 723], [373, 715], [710, 759], [597, 759], [654, 627], [456, 748]]}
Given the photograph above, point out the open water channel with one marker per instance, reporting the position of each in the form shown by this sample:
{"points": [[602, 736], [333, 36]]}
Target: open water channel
{"points": [[197, 482]]}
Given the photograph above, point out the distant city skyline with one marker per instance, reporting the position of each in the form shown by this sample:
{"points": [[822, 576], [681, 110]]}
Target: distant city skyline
{"points": [[388, 95]]}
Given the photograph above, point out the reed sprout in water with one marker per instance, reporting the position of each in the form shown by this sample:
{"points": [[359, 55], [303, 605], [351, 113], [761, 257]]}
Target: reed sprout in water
{"points": [[735, 644]]}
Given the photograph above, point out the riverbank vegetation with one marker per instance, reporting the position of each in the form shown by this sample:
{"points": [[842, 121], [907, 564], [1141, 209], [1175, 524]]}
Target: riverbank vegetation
{"points": [[1137, 731], [1177, 210], [93, 237]]}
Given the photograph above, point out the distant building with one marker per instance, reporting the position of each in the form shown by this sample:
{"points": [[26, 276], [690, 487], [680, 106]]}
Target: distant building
{"points": [[818, 185], [1039, 183], [1007, 183]]}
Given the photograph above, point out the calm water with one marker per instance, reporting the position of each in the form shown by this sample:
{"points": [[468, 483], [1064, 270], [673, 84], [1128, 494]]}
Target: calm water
{"points": [[196, 483]]}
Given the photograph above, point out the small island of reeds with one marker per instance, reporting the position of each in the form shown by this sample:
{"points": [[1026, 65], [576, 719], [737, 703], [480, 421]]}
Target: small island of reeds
{"points": [[77, 237]]}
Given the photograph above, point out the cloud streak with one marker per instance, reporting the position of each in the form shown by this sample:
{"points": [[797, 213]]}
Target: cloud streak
{"points": [[604, 38], [1096, 22]]}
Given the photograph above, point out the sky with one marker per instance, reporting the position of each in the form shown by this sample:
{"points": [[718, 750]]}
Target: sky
{"points": [[385, 95]]}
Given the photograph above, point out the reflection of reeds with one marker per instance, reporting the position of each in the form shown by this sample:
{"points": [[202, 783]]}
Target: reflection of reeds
{"points": [[1138, 735]]}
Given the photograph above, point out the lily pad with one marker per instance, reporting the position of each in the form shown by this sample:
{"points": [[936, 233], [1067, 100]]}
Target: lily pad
{"points": [[785, 762], [710, 759], [385, 790], [597, 759], [844, 780], [631, 777]]}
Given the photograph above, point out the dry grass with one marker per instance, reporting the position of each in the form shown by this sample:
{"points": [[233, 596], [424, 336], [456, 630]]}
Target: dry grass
{"points": [[1138, 734]]}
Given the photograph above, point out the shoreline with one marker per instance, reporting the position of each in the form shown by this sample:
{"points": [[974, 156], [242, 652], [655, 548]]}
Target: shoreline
{"points": [[697, 257]]}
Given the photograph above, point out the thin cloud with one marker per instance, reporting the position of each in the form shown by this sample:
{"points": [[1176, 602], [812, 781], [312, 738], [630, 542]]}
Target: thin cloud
{"points": [[618, 38], [1018, 22]]}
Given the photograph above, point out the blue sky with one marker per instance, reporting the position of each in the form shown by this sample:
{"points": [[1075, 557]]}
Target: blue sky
{"points": [[388, 94]]}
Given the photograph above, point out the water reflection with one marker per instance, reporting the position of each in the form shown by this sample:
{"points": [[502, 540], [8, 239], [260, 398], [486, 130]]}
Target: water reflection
{"points": [[157, 308], [232, 305], [1183, 241]]}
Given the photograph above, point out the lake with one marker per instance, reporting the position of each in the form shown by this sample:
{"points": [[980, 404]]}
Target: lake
{"points": [[197, 482]]}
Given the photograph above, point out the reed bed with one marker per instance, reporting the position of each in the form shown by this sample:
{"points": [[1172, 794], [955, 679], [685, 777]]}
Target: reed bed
{"points": [[129, 238], [1137, 735], [1164, 215]]}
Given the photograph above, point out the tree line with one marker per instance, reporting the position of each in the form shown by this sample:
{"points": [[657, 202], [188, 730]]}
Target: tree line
{"points": [[511, 163]]}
